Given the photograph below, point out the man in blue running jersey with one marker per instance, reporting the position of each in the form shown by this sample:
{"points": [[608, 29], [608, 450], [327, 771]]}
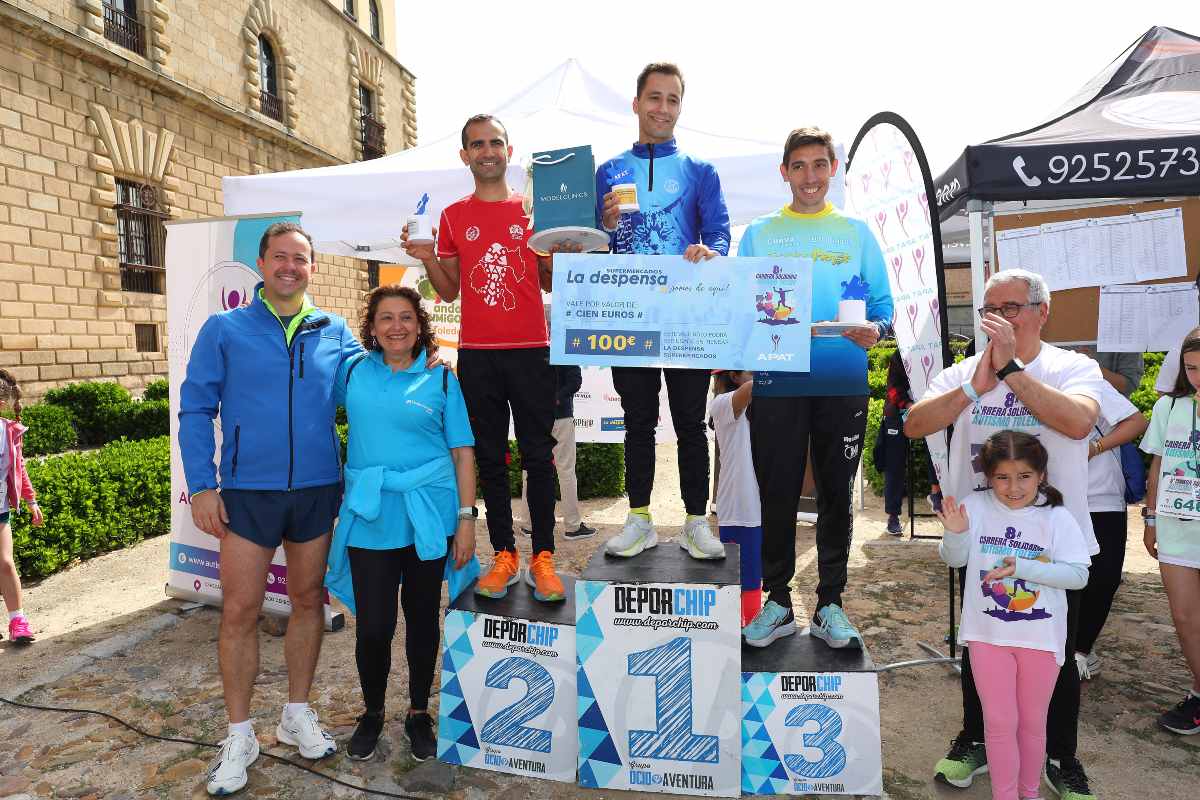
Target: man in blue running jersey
{"points": [[681, 211], [825, 408]]}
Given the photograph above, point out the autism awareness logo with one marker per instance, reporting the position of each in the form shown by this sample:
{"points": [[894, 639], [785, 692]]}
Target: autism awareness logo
{"points": [[234, 298]]}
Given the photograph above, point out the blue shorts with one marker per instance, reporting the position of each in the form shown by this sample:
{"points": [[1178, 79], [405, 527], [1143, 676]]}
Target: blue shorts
{"points": [[268, 517], [4, 518]]}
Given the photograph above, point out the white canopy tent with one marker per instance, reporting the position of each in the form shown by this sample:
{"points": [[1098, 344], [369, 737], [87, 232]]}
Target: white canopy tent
{"points": [[359, 209]]}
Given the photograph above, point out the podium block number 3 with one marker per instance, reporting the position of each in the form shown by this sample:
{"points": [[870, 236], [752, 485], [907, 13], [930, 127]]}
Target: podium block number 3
{"points": [[829, 727], [670, 665], [506, 727]]}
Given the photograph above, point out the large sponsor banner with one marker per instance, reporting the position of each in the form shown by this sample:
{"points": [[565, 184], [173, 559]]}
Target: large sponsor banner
{"points": [[508, 696], [663, 311], [811, 733], [598, 413], [659, 671], [886, 185], [210, 269]]}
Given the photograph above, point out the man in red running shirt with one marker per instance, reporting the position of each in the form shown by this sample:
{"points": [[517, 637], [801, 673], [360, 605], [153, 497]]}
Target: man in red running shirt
{"points": [[504, 355]]}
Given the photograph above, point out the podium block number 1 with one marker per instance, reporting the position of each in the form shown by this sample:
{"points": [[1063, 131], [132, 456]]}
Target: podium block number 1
{"points": [[829, 728], [670, 665], [506, 727]]}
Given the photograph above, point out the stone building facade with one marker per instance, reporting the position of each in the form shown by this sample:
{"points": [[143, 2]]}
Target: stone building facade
{"points": [[118, 114]]}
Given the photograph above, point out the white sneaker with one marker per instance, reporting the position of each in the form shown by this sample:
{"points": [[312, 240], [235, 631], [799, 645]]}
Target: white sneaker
{"points": [[227, 772], [698, 540], [304, 732], [637, 535]]}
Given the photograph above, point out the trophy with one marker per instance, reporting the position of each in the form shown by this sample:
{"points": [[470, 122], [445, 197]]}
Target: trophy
{"points": [[560, 199]]}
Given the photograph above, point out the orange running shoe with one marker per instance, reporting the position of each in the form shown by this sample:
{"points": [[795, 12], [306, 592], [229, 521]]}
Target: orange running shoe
{"points": [[505, 571], [547, 586]]}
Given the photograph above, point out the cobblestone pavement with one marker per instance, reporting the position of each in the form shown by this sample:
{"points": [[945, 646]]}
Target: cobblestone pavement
{"points": [[159, 673]]}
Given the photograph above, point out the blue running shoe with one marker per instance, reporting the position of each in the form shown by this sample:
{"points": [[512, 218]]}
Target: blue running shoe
{"points": [[773, 622], [832, 625]]}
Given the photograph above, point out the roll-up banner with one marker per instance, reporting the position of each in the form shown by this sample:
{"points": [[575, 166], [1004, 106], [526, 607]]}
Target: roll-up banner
{"points": [[888, 184]]}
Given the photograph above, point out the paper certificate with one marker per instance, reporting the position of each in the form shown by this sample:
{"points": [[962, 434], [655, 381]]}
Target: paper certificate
{"points": [[663, 311]]}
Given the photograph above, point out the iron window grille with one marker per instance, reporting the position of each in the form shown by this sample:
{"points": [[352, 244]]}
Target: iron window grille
{"points": [[121, 25], [141, 238]]}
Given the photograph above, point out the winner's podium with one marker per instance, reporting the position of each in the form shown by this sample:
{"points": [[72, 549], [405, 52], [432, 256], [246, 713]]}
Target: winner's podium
{"points": [[657, 643], [810, 719], [508, 694]]}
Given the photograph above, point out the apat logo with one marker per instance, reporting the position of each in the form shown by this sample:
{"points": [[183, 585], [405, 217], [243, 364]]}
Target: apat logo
{"points": [[516, 232]]}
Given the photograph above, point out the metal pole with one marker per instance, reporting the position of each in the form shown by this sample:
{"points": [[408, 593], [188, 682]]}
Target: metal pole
{"points": [[953, 638], [975, 211]]}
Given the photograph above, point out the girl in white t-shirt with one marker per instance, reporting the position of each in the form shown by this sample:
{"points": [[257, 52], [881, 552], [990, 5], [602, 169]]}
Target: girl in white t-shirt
{"points": [[1172, 517], [739, 513], [1022, 550]]}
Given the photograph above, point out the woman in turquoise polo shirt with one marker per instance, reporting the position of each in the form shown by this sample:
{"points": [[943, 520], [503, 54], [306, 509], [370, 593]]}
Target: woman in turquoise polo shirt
{"points": [[407, 520]]}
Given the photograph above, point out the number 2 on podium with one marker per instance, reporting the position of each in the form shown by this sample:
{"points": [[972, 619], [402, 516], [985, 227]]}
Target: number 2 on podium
{"points": [[670, 665], [829, 727], [506, 727]]}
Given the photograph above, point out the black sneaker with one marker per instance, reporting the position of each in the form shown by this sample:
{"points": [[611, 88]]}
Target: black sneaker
{"points": [[1068, 780], [419, 729], [1184, 718], [893, 525], [366, 736], [966, 761], [582, 532]]}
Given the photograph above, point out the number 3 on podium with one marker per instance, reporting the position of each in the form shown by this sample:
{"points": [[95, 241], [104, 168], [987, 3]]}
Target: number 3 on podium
{"points": [[670, 665], [829, 728]]}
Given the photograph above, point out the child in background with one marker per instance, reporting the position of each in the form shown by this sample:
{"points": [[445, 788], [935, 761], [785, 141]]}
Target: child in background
{"points": [[1026, 550], [739, 513], [1172, 532], [16, 488]]}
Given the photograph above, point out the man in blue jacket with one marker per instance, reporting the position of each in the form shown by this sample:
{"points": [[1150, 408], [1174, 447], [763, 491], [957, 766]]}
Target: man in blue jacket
{"points": [[267, 371], [681, 211]]}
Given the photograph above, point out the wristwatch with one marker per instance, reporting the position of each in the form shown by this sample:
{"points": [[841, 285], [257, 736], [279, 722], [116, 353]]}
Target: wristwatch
{"points": [[1014, 365], [468, 512], [1149, 518]]}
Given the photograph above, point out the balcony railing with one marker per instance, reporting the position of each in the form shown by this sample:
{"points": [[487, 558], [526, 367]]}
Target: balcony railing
{"points": [[141, 238], [124, 30], [272, 106], [372, 137]]}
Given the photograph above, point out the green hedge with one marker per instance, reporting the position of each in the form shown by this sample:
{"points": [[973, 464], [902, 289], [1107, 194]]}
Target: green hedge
{"points": [[138, 419], [94, 502], [156, 390], [94, 413], [88, 403], [50, 429]]}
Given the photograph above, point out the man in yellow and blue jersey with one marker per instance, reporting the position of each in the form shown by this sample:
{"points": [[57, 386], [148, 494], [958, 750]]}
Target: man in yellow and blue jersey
{"points": [[825, 408]]}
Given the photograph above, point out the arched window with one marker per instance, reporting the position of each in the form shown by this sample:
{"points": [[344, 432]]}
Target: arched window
{"points": [[268, 80], [376, 28]]}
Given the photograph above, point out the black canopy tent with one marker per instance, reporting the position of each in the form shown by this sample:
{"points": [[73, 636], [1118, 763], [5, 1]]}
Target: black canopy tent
{"points": [[1132, 131]]}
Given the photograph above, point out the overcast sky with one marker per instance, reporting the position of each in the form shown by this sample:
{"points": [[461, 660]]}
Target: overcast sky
{"points": [[959, 72]]}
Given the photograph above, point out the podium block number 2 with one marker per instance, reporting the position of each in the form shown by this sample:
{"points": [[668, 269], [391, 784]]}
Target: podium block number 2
{"points": [[506, 727], [670, 665], [829, 727]]}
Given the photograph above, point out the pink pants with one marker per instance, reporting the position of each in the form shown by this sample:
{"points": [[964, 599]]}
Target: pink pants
{"points": [[1015, 684]]}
